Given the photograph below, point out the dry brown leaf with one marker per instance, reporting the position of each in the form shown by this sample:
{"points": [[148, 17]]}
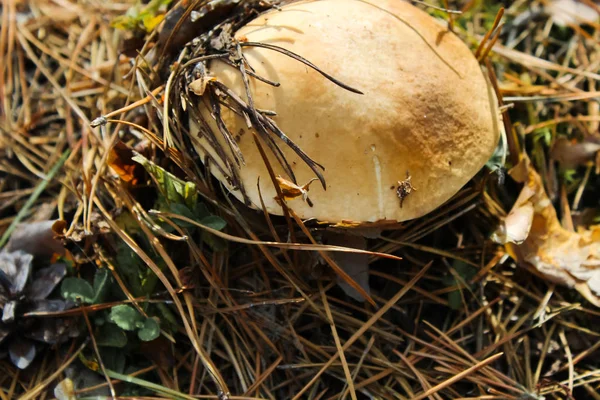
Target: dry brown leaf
{"points": [[517, 225], [559, 255], [38, 238], [290, 190], [120, 161], [355, 265], [572, 154], [571, 12]]}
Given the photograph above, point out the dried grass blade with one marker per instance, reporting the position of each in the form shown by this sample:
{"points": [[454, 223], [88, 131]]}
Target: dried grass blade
{"points": [[338, 345], [97, 352], [459, 376], [292, 246], [489, 33], [365, 327], [424, 383], [208, 364], [104, 119], [359, 365], [48, 74], [259, 380], [336, 268], [35, 392], [302, 60], [565, 343]]}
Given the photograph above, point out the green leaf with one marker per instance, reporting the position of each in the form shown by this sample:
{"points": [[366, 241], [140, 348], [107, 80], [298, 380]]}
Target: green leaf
{"points": [[145, 16], [184, 211], [455, 300], [201, 211], [127, 222], [113, 359], [215, 242], [126, 317], [174, 189], [214, 222], [167, 315], [150, 330], [77, 289], [465, 272], [101, 285], [498, 159], [129, 265], [110, 335], [149, 282]]}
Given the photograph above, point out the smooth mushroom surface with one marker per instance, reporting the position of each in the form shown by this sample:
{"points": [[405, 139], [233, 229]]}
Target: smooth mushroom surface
{"points": [[427, 119]]}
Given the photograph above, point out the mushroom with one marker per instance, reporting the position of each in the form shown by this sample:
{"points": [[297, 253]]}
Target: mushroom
{"points": [[426, 114]]}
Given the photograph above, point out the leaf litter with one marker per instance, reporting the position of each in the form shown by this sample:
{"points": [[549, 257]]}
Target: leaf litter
{"points": [[456, 316]]}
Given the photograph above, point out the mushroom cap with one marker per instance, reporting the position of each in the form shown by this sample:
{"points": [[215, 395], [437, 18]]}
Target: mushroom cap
{"points": [[427, 109]]}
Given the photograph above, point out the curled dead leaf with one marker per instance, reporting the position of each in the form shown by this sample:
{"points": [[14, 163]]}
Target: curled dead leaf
{"points": [[290, 190], [516, 226], [38, 238], [120, 161], [557, 254], [572, 154]]}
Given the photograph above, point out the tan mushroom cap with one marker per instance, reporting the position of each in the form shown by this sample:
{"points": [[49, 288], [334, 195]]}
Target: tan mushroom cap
{"points": [[427, 108]]}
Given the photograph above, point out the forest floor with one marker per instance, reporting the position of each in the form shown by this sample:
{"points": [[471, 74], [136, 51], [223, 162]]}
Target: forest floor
{"points": [[494, 296]]}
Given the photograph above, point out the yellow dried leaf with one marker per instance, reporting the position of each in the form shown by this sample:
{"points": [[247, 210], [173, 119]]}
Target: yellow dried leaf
{"points": [[290, 190], [559, 255]]}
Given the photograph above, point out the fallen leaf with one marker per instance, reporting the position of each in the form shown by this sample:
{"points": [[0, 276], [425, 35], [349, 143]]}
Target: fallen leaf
{"points": [[290, 190], [355, 265], [557, 254], [22, 352], [54, 330], [42, 306], [99, 227], [45, 281], [38, 238], [120, 161], [15, 268], [571, 12], [572, 154], [516, 226]]}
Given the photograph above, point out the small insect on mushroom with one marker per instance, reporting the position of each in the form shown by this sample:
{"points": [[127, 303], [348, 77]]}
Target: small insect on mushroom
{"points": [[290, 190], [405, 187]]}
